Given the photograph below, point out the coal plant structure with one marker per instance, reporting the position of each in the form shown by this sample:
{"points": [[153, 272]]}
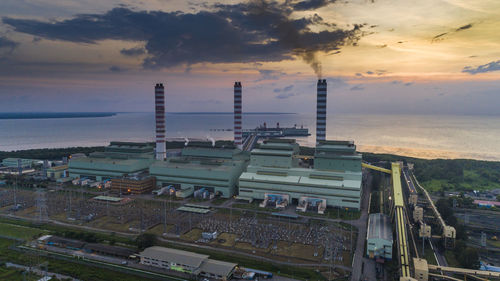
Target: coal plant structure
{"points": [[237, 115], [160, 121], [321, 111]]}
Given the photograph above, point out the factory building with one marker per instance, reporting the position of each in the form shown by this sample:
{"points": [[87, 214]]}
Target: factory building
{"points": [[379, 237], [202, 169], [137, 184], [17, 162], [187, 262], [274, 175], [57, 172], [118, 159]]}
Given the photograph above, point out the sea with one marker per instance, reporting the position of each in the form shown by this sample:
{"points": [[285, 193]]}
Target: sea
{"points": [[422, 136]]}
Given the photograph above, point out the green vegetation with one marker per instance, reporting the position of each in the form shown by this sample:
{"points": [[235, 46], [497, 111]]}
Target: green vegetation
{"points": [[287, 271], [77, 269], [20, 232], [49, 153], [145, 240], [467, 257], [448, 175]]}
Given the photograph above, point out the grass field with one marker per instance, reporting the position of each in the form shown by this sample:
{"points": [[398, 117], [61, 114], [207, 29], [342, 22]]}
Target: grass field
{"points": [[21, 232], [229, 240], [111, 224], [298, 250], [192, 235], [12, 274]]}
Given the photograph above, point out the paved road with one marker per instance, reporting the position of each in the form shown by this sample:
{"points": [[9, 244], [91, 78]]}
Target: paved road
{"points": [[361, 225]]}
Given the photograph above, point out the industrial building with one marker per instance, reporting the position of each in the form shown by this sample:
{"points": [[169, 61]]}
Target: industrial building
{"points": [[17, 163], [211, 169], [187, 262], [274, 175], [137, 184], [117, 160], [379, 237], [57, 172]]}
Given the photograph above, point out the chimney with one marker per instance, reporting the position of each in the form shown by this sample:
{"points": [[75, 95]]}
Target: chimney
{"points": [[237, 115], [160, 121], [321, 111]]}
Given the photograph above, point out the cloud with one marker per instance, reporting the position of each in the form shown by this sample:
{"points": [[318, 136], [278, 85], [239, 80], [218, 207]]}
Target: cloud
{"points": [[441, 36], [284, 96], [395, 82], [133, 52], [408, 84], [254, 31], [269, 74], [115, 68], [489, 67], [359, 74], [467, 26], [7, 45], [311, 4], [357, 87], [284, 90], [379, 72]]}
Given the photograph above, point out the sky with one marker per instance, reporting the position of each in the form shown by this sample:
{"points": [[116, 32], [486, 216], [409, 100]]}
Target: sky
{"points": [[378, 56]]}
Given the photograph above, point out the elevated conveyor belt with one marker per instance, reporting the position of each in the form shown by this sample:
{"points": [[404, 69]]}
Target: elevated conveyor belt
{"points": [[368, 166], [472, 272], [400, 219]]}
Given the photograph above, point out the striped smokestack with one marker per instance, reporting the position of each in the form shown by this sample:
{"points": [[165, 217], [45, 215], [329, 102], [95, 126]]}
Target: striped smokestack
{"points": [[237, 115], [321, 111], [160, 121]]}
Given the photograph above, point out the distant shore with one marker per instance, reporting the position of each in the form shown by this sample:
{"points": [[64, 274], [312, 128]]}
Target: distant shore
{"points": [[51, 115]]}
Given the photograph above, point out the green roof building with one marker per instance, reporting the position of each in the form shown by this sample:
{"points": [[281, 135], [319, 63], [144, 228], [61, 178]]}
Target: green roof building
{"points": [[117, 160], [215, 169], [274, 172]]}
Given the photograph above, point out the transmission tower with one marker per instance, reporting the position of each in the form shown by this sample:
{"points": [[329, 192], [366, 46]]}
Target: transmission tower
{"points": [[41, 206]]}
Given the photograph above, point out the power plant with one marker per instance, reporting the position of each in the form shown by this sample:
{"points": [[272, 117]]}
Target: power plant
{"points": [[273, 171]]}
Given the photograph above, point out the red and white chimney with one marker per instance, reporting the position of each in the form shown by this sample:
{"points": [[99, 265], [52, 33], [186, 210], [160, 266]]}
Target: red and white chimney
{"points": [[321, 111], [237, 115], [160, 121]]}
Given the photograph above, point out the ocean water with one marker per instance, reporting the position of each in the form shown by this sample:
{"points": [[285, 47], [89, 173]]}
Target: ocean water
{"points": [[424, 136]]}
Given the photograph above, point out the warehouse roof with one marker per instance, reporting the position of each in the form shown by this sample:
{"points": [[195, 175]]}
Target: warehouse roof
{"points": [[379, 227], [220, 268], [173, 255]]}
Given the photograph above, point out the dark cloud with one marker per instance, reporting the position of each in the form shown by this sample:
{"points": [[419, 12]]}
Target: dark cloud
{"points": [[285, 89], [7, 44], [441, 36], [408, 84], [489, 67], [359, 74], [378, 72], [395, 82], [358, 88], [284, 96], [269, 74], [311, 4], [467, 26], [245, 32], [133, 52], [115, 68]]}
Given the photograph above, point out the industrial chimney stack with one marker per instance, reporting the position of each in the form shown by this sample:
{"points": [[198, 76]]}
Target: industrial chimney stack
{"points": [[237, 115], [160, 121], [321, 111]]}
